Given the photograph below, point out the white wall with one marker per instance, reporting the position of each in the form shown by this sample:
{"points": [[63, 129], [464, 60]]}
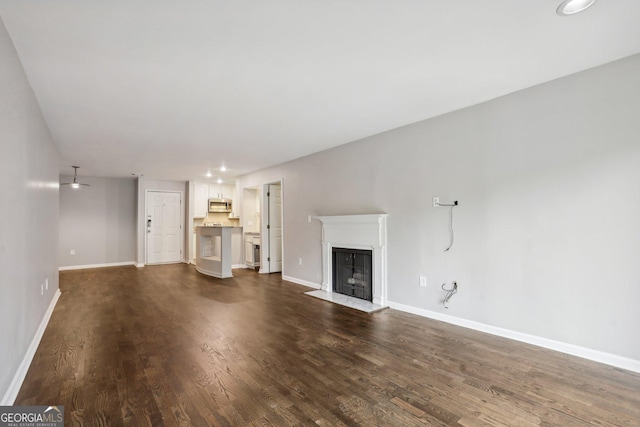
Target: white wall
{"points": [[98, 222], [28, 218], [547, 233]]}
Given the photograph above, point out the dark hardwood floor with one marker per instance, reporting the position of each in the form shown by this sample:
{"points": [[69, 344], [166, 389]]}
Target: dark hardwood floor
{"points": [[165, 345]]}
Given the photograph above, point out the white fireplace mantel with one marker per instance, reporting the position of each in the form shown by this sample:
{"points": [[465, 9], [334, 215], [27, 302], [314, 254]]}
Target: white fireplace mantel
{"points": [[356, 232]]}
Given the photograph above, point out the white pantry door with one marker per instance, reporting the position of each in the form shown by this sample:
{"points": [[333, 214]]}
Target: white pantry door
{"points": [[274, 227], [163, 227]]}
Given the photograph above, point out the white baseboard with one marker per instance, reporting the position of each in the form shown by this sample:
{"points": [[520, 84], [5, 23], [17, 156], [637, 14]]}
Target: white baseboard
{"points": [[301, 282], [10, 395], [111, 264], [574, 350], [233, 266], [139, 265]]}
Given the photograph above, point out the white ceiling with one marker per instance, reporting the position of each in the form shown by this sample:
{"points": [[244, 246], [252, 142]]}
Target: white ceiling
{"points": [[172, 88]]}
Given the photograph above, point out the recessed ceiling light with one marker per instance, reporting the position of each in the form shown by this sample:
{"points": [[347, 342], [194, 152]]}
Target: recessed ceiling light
{"points": [[223, 168], [569, 7], [219, 181], [208, 174]]}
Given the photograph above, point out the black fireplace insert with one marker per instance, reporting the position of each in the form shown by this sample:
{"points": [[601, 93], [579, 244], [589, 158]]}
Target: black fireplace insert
{"points": [[352, 273]]}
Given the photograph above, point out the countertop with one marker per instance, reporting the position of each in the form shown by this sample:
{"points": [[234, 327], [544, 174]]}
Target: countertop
{"points": [[218, 226]]}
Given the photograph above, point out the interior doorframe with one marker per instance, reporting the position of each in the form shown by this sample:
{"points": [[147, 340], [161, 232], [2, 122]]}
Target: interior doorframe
{"points": [[144, 217], [265, 266]]}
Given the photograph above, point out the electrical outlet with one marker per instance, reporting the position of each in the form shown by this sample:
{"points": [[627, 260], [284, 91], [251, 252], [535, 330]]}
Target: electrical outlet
{"points": [[309, 219], [423, 281], [299, 260], [436, 202], [42, 289], [72, 252], [46, 284]]}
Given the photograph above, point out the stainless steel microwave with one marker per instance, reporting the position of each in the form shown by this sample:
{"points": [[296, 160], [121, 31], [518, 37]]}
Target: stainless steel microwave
{"points": [[219, 205]]}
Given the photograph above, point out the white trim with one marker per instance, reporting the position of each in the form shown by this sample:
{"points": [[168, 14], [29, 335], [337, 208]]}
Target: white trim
{"points": [[191, 193], [183, 249], [233, 266], [139, 265], [11, 393], [574, 350], [110, 264], [265, 249], [211, 273], [301, 282]]}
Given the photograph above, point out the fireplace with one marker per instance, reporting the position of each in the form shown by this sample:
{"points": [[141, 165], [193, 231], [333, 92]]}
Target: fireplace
{"points": [[352, 273], [355, 233]]}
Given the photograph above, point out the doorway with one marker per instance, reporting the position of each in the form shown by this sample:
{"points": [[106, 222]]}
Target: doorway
{"points": [[272, 242], [163, 227]]}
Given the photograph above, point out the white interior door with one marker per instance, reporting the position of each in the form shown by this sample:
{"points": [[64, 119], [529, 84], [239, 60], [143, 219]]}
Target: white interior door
{"points": [[163, 227], [274, 228]]}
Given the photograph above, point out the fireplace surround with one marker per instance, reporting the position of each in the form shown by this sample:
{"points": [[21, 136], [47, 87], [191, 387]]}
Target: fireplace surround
{"points": [[360, 232]]}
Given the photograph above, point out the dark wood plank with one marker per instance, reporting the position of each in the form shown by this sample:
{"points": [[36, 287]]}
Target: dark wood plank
{"points": [[167, 346]]}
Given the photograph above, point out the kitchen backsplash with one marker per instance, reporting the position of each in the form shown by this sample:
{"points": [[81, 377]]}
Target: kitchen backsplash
{"points": [[217, 217]]}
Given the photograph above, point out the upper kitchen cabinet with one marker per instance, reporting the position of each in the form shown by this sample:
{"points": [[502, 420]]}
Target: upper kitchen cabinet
{"points": [[235, 208], [221, 191], [225, 191], [203, 191], [200, 204]]}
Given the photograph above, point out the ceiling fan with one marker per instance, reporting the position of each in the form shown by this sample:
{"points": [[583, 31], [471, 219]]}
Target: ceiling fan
{"points": [[75, 183]]}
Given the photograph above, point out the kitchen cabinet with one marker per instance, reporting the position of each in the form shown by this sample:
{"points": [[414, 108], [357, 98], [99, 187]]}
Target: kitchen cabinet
{"points": [[203, 191], [221, 191], [213, 251], [235, 207], [218, 250], [200, 204], [225, 191], [252, 249]]}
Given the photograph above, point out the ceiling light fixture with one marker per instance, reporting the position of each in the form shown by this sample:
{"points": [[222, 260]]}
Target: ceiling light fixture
{"points": [[223, 168], [570, 7], [208, 174], [75, 183], [219, 180]]}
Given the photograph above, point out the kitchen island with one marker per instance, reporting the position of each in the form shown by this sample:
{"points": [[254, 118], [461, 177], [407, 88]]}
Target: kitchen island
{"points": [[214, 250]]}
